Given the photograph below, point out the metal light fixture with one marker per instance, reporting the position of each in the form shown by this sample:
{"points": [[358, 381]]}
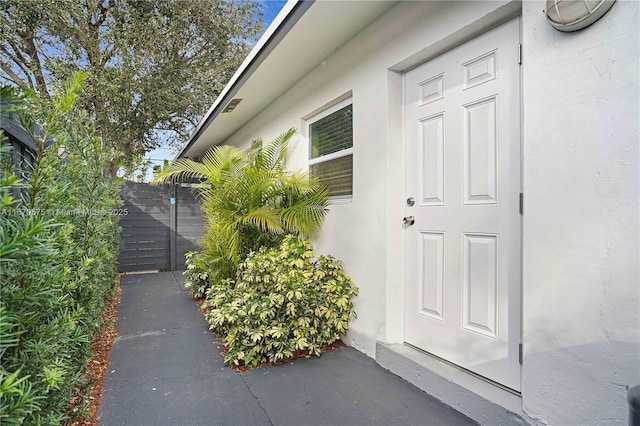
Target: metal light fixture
{"points": [[574, 15]]}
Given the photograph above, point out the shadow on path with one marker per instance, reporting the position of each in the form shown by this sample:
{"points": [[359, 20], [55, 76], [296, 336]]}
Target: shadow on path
{"points": [[166, 369]]}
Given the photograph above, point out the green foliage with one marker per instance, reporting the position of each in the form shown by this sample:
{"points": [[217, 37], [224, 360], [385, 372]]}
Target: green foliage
{"points": [[282, 302], [58, 252], [250, 201], [17, 400], [159, 168], [196, 275], [153, 66]]}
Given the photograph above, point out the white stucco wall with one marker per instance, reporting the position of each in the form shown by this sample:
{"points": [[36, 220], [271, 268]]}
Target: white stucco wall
{"points": [[366, 234], [581, 179]]}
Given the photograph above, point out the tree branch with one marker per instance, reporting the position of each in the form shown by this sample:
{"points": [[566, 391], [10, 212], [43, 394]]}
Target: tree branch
{"points": [[18, 58], [35, 65], [108, 54], [103, 13], [24, 66], [14, 77]]}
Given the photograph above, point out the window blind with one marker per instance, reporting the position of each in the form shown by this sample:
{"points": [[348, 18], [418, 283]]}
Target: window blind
{"points": [[332, 133], [336, 174]]}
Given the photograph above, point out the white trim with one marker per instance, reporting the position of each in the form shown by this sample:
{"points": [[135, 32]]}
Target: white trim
{"points": [[329, 110], [332, 156], [340, 199]]}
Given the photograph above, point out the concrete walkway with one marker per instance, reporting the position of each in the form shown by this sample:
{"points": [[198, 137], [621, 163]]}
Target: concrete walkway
{"points": [[166, 369]]}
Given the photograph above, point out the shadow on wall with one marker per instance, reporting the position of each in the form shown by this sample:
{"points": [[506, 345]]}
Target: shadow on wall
{"points": [[568, 376], [145, 242]]}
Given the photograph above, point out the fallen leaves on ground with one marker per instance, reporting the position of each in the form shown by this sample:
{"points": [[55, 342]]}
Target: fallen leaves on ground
{"points": [[83, 408]]}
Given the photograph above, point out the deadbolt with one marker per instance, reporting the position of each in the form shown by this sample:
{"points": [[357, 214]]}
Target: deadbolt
{"points": [[411, 201], [408, 220]]}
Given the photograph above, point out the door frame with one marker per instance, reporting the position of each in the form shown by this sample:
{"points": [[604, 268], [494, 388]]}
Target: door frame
{"points": [[394, 331]]}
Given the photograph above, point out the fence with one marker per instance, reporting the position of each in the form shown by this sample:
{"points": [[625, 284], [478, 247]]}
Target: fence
{"points": [[159, 225]]}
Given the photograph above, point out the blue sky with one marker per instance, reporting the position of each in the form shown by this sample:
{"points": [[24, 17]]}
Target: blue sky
{"points": [[270, 9]]}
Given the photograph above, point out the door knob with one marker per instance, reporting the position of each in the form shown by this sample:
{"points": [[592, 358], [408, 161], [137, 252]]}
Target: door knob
{"points": [[408, 220]]}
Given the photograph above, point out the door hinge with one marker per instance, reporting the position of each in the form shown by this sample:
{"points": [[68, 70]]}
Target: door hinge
{"points": [[520, 353], [519, 53], [521, 203]]}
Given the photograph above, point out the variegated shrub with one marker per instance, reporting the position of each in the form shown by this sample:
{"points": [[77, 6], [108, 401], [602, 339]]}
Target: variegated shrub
{"points": [[282, 302], [196, 276]]}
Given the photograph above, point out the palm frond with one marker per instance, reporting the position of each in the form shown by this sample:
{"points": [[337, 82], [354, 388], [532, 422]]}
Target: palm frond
{"points": [[223, 158], [274, 155], [306, 215], [302, 182], [265, 219], [249, 200], [216, 163], [180, 168]]}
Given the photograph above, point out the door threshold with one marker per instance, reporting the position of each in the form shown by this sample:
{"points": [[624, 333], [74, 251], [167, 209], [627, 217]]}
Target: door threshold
{"points": [[474, 374], [467, 393]]}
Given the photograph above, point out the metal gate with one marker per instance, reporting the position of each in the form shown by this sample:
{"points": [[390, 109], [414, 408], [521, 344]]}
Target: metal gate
{"points": [[159, 225]]}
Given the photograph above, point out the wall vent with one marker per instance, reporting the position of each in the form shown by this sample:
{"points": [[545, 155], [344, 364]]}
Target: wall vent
{"points": [[233, 103]]}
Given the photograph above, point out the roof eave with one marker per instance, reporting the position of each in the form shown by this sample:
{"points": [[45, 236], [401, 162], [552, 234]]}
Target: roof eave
{"points": [[279, 28]]}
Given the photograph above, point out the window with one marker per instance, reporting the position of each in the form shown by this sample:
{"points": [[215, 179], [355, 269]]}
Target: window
{"points": [[331, 149]]}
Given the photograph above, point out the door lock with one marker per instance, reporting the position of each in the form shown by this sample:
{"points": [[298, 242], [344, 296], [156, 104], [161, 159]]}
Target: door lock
{"points": [[411, 201], [408, 220]]}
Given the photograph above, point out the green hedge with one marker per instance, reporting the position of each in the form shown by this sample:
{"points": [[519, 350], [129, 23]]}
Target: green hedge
{"points": [[59, 242]]}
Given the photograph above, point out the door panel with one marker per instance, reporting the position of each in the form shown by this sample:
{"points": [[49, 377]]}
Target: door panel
{"points": [[462, 112], [431, 275], [480, 284], [431, 170], [479, 169]]}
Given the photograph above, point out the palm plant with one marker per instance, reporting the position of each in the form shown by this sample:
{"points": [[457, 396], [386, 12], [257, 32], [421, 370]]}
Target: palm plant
{"points": [[250, 200]]}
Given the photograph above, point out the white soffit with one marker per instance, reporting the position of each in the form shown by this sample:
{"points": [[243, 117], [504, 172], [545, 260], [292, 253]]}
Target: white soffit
{"points": [[323, 28]]}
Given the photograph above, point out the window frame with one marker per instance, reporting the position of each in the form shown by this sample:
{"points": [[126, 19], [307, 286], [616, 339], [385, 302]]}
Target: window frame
{"points": [[334, 155]]}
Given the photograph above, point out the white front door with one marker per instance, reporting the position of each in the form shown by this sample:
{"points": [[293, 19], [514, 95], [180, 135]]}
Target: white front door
{"points": [[463, 252]]}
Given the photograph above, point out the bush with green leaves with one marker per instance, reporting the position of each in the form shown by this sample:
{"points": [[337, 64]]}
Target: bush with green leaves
{"points": [[196, 276], [250, 201], [282, 302], [58, 250]]}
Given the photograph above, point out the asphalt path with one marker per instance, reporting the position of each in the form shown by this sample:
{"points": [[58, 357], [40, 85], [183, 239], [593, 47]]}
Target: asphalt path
{"points": [[166, 369]]}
